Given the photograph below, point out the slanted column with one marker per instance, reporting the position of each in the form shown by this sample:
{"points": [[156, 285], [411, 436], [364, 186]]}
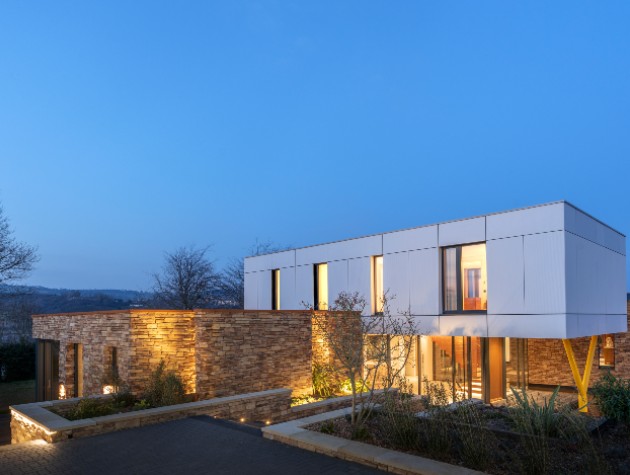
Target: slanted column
{"points": [[581, 382]]}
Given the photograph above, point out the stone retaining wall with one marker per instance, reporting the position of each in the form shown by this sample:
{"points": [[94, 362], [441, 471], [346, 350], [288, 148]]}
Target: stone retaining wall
{"points": [[33, 421]]}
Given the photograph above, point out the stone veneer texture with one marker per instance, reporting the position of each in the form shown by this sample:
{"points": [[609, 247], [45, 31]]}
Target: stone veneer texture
{"points": [[215, 352]]}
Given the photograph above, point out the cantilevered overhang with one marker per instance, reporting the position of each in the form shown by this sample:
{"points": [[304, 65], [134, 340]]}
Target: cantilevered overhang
{"points": [[522, 326]]}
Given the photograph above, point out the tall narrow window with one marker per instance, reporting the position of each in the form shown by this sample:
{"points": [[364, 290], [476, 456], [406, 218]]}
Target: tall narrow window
{"points": [[275, 289], [607, 351], [320, 291], [464, 279], [377, 284], [78, 370]]}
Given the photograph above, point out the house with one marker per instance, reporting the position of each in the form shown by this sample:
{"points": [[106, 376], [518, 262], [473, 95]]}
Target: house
{"points": [[527, 296]]}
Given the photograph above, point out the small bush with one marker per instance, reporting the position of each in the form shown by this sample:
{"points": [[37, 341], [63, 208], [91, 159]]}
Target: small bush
{"points": [[324, 384], [476, 443], [400, 423], [90, 407], [613, 397], [165, 388]]}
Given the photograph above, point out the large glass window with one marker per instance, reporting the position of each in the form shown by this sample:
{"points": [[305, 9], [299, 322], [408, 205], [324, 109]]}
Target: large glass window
{"points": [[275, 289], [320, 291], [607, 351], [377, 284], [465, 280]]}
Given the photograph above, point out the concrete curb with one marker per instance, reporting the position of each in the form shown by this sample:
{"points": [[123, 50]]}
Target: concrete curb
{"points": [[293, 433]]}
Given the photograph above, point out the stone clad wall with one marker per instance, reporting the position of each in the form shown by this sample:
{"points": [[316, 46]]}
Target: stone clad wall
{"points": [[243, 351], [96, 331], [162, 335], [548, 363], [215, 352]]}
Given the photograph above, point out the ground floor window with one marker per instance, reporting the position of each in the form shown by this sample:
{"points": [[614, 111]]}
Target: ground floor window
{"points": [[607, 351]]}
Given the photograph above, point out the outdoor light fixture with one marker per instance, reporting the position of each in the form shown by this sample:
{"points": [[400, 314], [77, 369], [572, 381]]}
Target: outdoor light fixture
{"points": [[62, 391], [108, 389]]}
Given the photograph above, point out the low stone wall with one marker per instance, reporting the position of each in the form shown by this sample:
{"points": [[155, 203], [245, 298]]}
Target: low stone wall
{"points": [[34, 422]]}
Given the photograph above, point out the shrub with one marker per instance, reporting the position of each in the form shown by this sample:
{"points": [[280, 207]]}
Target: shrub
{"points": [[324, 384], [164, 388], [90, 407], [613, 397], [400, 424], [477, 443]]}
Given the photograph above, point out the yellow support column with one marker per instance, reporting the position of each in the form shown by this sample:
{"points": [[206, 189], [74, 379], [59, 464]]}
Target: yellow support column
{"points": [[581, 382]]}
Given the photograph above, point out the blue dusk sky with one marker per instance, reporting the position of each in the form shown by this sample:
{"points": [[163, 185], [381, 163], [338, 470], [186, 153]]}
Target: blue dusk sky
{"points": [[132, 128]]}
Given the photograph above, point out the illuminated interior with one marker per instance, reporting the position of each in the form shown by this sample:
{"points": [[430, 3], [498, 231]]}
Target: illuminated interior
{"points": [[607, 351], [321, 286], [465, 278], [275, 289], [377, 286]]}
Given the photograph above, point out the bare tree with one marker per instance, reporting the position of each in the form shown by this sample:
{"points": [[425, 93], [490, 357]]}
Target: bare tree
{"points": [[16, 258], [232, 279], [370, 351], [188, 280]]}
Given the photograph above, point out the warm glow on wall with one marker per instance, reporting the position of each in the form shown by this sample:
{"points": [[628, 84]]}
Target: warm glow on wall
{"points": [[62, 391], [108, 389]]}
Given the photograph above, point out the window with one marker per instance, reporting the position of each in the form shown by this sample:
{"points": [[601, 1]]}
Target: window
{"points": [[377, 284], [320, 291], [607, 351], [275, 289], [464, 279]]}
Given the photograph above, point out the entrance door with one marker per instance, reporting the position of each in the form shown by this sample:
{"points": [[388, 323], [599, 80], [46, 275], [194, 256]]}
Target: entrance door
{"points": [[47, 370]]}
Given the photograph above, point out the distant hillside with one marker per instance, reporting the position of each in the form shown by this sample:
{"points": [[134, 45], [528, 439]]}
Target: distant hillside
{"points": [[36, 299]]}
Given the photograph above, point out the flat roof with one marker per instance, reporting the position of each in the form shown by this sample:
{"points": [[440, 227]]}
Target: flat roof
{"points": [[445, 222]]}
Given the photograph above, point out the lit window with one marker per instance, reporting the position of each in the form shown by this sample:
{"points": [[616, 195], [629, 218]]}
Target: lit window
{"points": [[377, 284], [607, 351], [275, 289], [464, 272], [320, 291]]}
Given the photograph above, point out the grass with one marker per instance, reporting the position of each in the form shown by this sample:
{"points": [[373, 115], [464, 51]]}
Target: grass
{"points": [[16, 392]]}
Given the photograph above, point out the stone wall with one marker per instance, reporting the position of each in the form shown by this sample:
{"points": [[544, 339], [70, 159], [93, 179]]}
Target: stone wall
{"points": [[548, 363], [215, 352], [96, 331], [34, 421], [243, 351], [162, 335]]}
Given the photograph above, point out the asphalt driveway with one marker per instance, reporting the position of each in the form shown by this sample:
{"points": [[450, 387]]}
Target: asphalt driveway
{"points": [[195, 445]]}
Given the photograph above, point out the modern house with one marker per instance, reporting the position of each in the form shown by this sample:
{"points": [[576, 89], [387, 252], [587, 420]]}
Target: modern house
{"points": [[495, 297]]}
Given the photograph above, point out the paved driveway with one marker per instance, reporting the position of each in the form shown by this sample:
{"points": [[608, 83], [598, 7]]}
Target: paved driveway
{"points": [[187, 446]]}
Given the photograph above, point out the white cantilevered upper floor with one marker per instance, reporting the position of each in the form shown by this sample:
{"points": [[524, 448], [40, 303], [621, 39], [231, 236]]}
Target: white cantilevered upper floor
{"points": [[547, 271]]}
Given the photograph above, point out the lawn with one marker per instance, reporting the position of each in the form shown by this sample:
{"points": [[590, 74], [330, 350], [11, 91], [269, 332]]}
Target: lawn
{"points": [[16, 392]]}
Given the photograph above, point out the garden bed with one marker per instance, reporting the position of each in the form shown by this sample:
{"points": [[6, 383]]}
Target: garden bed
{"points": [[485, 437]]}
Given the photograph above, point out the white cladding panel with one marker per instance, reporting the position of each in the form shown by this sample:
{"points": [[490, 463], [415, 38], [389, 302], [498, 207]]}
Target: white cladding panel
{"points": [[583, 225], [464, 325], [595, 278], [544, 273], [396, 281], [527, 326], [264, 290], [304, 286], [579, 325], [424, 282], [251, 291], [506, 275], [337, 279], [360, 279], [540, 219], [362, 247], [462, 232], [287, 289], [410, 239], [277, 260]]}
